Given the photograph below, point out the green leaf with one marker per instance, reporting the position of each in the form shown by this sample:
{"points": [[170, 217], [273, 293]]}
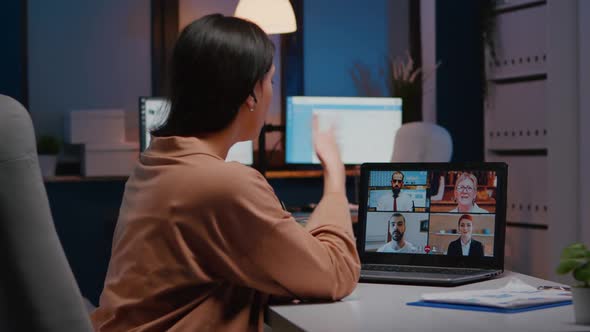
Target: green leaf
{"points": [[583, 273], [568, 265], [577, 245], [576, 250]]}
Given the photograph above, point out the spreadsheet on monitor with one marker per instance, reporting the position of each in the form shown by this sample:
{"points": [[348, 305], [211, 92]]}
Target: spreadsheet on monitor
{"points": [[365, 127]]}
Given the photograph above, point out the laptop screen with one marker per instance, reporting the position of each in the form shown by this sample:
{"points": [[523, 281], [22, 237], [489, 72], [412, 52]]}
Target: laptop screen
{"points": [[153, 113], [430, 211]]}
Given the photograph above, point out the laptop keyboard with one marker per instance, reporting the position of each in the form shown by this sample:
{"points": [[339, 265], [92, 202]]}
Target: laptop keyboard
{"points": [[432, 269]]}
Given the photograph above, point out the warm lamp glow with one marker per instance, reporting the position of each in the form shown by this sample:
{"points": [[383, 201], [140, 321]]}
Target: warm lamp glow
{"points": [[273, 16]]}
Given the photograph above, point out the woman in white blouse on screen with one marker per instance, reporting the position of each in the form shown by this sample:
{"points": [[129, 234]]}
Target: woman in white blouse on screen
{"points": [[466, 194]]}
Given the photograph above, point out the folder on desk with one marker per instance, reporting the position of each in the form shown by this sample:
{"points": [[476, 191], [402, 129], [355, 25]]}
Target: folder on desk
{"points": [[488, 309], [515, 297]]}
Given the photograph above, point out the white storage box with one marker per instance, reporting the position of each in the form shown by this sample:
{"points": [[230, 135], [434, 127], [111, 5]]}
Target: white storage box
{"points": [[110, 159], [99, 126]]}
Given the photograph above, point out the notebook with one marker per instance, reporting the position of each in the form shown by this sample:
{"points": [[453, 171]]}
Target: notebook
{"points": [[437, 224]]}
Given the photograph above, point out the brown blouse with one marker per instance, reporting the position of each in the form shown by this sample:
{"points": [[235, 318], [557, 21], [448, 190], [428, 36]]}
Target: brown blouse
{"points": [[200, 244]]}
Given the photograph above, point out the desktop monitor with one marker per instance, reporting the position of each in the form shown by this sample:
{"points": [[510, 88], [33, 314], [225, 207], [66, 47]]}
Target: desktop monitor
{"points": [[153, 112], [365, 127]]}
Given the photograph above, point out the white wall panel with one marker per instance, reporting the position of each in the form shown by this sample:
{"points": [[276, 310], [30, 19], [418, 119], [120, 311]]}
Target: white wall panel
{"points": [[584, 120], [526, 251], [515, 116], [562, 121], [538, 81], [527, 188], [520, 44]]}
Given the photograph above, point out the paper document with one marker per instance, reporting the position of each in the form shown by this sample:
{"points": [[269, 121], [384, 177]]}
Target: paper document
{"points": [[516, 294]]}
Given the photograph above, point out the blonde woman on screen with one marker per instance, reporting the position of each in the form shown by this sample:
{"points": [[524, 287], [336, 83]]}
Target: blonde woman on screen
{"points": [[466, 194]]}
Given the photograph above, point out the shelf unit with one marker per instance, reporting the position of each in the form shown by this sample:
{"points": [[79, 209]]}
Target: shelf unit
{"points": [[515, 120], [531, 123]]}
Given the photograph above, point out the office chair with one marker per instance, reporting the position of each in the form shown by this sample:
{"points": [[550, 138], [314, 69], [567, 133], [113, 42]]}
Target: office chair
{"points": [[38, 291], [422, 142]]}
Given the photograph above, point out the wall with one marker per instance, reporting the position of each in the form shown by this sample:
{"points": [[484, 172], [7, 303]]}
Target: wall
{"points": [[190, 10], [86, 55], [459, 103], [428, 36], [12, 58], [339, 35], [564, 111], [584, 120]]}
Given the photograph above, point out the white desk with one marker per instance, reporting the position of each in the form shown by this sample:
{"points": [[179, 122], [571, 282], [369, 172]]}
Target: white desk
{"points": [[382, 307]]}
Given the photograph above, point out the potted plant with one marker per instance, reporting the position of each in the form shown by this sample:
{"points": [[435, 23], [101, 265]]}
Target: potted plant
{"points": [[406, 82], [48, 148], [576, 259]]}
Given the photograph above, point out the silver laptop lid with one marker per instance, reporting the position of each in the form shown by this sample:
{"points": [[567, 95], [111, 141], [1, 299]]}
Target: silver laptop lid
{"points": [[433, 214]]}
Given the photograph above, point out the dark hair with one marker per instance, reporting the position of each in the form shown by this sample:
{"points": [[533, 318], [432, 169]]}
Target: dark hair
{"points": [[397, 214], [216, 63], [397, 172]]}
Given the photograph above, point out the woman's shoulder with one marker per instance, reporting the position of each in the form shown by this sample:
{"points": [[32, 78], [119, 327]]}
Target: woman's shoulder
{"points": [[232, 175], [476, 242], [454, 242], [477, 209], [243, 174], [384, 247], [204, 164]]}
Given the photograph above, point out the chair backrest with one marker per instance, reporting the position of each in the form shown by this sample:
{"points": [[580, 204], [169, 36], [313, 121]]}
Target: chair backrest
{"points": [[38, 291], [422, 142]]}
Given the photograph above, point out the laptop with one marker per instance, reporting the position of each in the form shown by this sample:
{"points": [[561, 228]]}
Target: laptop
{"points": [[440, 224]]}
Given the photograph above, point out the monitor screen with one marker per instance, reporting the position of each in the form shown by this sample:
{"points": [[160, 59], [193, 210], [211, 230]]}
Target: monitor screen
{"points": [[436, 212], [153, 112], [365, 127]]}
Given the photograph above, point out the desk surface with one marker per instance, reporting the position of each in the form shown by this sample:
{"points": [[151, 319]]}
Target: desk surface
{"points": [[382, 307]]}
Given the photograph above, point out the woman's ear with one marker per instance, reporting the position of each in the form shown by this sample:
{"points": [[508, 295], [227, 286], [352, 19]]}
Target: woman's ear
{"points": [[250, 102]]}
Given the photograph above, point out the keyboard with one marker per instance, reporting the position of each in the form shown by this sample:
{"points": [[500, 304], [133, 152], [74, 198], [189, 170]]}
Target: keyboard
{"points": [[419, 269]]}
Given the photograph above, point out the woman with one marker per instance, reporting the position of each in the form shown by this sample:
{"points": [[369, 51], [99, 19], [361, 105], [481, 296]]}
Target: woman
{"points": [[465, 245], [466, 193], [201, 243]]}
